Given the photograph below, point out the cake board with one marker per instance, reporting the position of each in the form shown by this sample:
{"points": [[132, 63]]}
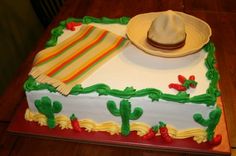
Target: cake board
{"points": [[19, 126]]}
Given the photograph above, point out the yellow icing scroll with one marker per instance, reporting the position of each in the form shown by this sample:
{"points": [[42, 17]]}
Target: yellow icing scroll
{"points": [[109, 126], [199, 135]]}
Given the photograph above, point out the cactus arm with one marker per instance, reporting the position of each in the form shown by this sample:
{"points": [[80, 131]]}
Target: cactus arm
{"points": [[214, 117], [111, 106], [137, 113], [37, 104], [199, 119], [56, 107], [44, 106], [210, 123]]}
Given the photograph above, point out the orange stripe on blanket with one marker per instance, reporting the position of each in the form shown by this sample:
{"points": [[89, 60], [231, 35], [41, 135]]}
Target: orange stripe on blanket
{"points": [[62, 49], [53, 70], [93, 61]]}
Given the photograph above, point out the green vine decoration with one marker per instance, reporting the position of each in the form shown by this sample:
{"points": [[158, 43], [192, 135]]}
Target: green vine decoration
{"points": [[125, 113], [210, 123], [31, 84], [46, 107], [127, 93], [212, 73]]}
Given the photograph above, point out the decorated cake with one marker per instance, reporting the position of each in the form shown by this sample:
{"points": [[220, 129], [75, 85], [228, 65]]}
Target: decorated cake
{"points": [[94, 76]]}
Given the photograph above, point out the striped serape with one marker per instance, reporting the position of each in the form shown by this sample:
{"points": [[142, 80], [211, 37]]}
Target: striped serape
{"points": [[71, 61]]}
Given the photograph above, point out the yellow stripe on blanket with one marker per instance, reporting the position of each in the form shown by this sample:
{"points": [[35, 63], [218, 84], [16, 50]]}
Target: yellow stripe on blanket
{"points": [[70, 62]]}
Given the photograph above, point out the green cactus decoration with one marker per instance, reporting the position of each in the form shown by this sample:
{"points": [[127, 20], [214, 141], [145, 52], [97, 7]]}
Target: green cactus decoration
{"points": [[210, 123], [125, 113], [46, 107]]}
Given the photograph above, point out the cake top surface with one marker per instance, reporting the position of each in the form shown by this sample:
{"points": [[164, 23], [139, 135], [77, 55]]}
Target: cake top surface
{"points": [[142, 73], [147, 71]]}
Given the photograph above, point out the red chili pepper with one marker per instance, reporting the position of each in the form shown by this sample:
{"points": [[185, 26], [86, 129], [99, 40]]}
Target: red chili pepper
{"points": [[216, 140], [71, 25], [177, 87], [181, 79], [75, 123], [164, 133], [191, 77], [192, 85], [151, 133]]}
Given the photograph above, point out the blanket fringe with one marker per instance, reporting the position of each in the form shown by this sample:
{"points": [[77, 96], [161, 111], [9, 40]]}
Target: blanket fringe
{"points": [[42, 78]]}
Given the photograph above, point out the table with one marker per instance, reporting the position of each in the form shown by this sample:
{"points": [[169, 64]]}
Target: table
{"points": [[221, 16]]}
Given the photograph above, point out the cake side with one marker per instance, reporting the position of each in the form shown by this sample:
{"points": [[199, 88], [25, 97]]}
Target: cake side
{"points": [[146, 97]]}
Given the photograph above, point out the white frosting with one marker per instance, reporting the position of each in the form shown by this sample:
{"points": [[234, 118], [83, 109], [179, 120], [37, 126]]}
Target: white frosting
{"points": [[133, 67]]}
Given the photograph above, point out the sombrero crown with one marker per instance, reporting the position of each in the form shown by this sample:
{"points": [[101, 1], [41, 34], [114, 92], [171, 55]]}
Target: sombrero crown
{"points": [[167, 31]]}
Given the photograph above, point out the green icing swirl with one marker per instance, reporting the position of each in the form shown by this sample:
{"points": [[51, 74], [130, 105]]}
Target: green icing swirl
{"points": [[31, 84], [209, 98], [127, 93], [181, 97], [58, 31]]}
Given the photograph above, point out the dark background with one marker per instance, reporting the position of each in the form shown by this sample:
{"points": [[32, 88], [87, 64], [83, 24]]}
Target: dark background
{"points": [[20, 29]]}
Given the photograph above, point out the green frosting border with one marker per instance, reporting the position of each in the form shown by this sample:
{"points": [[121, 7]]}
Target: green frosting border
{"points": [[209, 98]]}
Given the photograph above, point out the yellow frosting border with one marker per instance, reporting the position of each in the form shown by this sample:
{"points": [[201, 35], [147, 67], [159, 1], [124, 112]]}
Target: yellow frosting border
{"points": [[199, 135]]}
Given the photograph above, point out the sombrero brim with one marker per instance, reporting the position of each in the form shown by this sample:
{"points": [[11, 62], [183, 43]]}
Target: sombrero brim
{"points": [[198, 34]]}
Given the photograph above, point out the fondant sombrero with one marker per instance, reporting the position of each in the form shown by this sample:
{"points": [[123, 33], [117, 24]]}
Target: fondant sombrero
{"points": [[197, 32]]}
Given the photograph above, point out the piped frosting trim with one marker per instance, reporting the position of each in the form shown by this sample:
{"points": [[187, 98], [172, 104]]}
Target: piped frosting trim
{"points": [[199, 135]]}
